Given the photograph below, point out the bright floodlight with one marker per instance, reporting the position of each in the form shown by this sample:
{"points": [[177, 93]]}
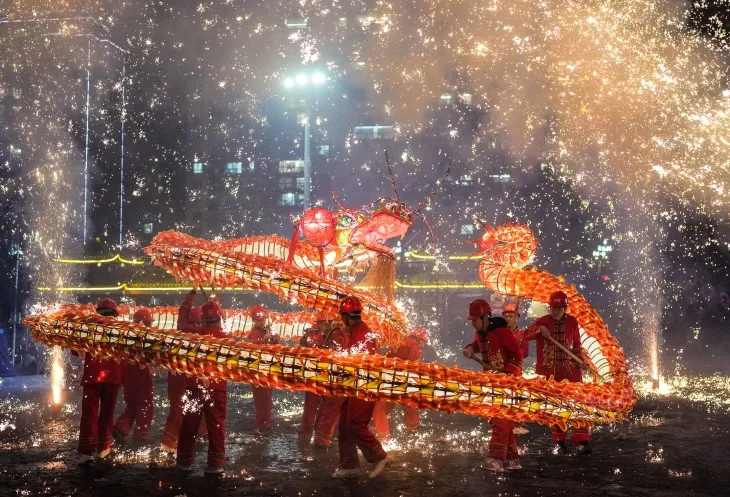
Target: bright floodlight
{"points": [[288, 82], [318, 78], [302, 79]]}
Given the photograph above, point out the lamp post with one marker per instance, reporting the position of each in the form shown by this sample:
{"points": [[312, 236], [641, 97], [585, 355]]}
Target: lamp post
{"points": [[304, 81], [15, 250]]}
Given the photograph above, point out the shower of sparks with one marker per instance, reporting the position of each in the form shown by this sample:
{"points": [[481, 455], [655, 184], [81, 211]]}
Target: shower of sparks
{"points": [[58, 379], [594, 122]]}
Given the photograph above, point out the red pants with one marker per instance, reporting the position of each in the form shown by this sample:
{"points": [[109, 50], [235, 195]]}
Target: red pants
{"points": [[503, 444], [175, 392], [213, 403], [565, 371], [97, 417], [329, 412], [311, 406], [263, 403], [380, 417], [354, 433], [138, 398]]}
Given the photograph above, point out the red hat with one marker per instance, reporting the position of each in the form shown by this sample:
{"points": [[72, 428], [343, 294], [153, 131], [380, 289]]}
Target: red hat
{"points": [[211, 312], [419, 333], [558, 299], [510, 308], [143, 316], [107, 307], [350, 304], [259, 313], [478, 309], [196, 314]]}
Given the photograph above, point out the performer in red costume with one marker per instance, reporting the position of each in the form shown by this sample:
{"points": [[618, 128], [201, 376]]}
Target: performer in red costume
{"points": [[101, 381], [356, 414], [207, 397], [553, 362], [187, 316], [262, 396], [499, 349], [511, 313], [409, 350], [335, 338], [314, 338], [138, 395]]}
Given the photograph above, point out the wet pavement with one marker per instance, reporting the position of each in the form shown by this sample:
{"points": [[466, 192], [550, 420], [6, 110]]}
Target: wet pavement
{"points": [[669, 448]]}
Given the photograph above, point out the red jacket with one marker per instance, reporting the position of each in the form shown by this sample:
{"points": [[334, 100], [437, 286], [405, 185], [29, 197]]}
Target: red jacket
{"points": [[258, 336], [549, 357], [337, 339], [524, 344], [312, 338], [409, 350], [499, 349], [101, 371], [362, 340], [216, 330]]}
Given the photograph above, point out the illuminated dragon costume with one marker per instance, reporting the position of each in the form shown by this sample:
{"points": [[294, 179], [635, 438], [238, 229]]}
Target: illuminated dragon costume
{"points": [[295, 271]]}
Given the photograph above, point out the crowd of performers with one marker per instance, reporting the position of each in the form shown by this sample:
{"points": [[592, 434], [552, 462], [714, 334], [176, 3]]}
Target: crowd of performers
{"points": [[360, 424]]}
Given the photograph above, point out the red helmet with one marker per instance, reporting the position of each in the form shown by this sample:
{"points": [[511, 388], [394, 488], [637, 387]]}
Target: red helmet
{"points": [[107, 307], [196, 314], [143, 316], [419, 333], [350, 304], [259, 313], [479, 308], [558, 299], [211, 311], [510, 308]]}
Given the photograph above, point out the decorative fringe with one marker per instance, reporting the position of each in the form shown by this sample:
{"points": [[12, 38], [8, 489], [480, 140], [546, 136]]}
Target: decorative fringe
{"points": [[380, 279]]}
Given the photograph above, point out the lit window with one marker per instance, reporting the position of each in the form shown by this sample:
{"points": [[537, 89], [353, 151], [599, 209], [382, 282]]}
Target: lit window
{"points": [[300, 183], [286, 183], [287, 199], [467, 229], [291, 166], [197, 167], [374, 132], [148, 227], [342, 22], [465, 179], [251, 166], [234, 167], [324, 150], [366, 21], [296, 23], [500, 178], [465, 98], [445, 98]]}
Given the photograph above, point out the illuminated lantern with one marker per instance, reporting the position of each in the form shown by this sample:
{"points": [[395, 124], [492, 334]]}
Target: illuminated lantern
{"points": [[318, 226]]}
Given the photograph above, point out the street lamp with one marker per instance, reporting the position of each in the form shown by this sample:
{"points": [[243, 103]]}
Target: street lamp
{"points": [[302, 81]]}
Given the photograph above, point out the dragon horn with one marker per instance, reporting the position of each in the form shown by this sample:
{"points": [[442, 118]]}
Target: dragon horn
{"points": [[436, 189], [382, 198], [342, 207], [392, 176], [430, 231]]}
